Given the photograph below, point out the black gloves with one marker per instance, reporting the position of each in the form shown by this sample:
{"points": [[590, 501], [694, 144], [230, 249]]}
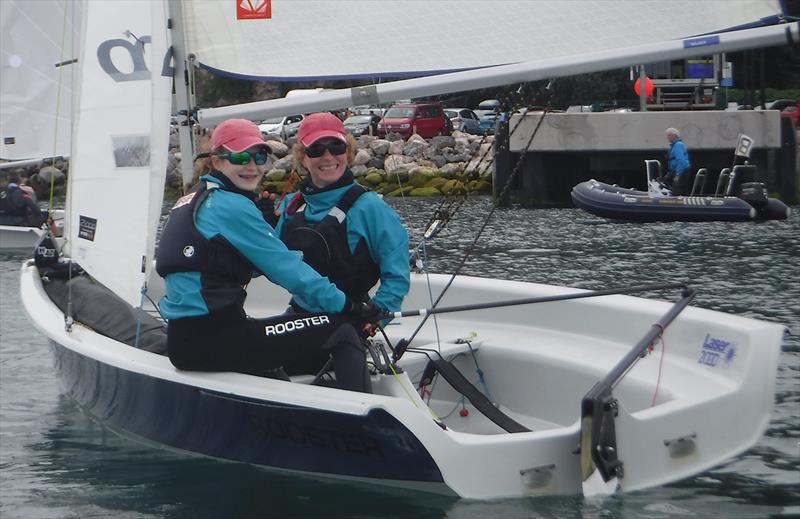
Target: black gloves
{"points": [[365, 312], [267, 206]]}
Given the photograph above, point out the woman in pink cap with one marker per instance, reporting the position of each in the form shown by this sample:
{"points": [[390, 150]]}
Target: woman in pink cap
{"points": [[345, 231], [214, 242]]}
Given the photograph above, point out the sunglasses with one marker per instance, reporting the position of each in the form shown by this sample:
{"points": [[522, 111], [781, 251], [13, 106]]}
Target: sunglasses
{"points": [[318, 148], [242, 158]]}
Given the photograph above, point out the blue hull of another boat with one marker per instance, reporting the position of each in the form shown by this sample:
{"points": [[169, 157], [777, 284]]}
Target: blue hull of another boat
{"points": [[260, 432], [620, 203]]}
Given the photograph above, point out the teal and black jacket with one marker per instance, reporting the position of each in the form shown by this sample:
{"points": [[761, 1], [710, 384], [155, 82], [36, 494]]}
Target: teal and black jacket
{"points": [[374, 235], [215, 240]]}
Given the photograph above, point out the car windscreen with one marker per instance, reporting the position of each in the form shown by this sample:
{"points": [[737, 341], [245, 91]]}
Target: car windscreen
{"points": [[358, 119], [399, 113], [272, 120]]}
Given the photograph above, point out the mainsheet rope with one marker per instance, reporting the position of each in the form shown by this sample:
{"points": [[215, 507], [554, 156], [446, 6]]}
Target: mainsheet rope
{"points": [[486, 220]]}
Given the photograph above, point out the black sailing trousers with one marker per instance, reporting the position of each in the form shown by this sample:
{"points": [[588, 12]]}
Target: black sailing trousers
{"points": [[228, 340]]}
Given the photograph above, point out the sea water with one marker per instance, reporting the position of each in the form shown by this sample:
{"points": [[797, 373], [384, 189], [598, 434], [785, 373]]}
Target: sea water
{"points": [[56, 461]]}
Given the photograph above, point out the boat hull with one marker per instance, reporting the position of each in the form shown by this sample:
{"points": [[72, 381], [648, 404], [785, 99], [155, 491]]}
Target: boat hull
{"points": [[233, 427], [19, 237], [619, 203], [536, 365]]}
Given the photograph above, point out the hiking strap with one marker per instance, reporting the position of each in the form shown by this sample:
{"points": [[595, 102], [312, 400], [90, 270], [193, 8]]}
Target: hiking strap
{"points": [[476, 398]]}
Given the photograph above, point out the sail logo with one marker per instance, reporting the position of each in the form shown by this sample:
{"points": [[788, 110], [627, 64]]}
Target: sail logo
{"points": [[87, 227], [714, 350], [253, 9], [136, 53]]}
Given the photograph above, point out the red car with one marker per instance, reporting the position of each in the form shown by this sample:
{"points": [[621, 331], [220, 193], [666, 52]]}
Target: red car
{"points": [[792, 112], [425, 119]]}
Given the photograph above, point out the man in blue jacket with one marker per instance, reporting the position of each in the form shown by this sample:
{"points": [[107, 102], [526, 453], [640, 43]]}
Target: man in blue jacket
{"points": [[678, 166]]}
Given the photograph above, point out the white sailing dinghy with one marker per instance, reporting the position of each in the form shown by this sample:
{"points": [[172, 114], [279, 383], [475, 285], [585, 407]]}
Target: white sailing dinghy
{"points": [[500, 398]]}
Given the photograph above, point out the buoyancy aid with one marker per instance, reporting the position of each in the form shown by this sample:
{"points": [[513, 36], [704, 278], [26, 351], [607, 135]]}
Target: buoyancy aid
{"points": [[325, 248], [183, 249], [11, 202]]}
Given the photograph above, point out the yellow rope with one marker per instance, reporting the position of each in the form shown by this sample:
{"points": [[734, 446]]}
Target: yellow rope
{"points": [[408, 394], [58, 110]]}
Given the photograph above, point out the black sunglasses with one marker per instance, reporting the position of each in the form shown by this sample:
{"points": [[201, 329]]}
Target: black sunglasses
{"points": [[318, 148]]}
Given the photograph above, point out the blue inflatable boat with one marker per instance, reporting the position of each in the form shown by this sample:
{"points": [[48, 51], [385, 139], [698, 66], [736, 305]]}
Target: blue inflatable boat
{"points": [[749, 203]]}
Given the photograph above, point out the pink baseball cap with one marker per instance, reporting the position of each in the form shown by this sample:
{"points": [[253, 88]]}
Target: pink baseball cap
{"points": [[237, 135], [321, 124]]}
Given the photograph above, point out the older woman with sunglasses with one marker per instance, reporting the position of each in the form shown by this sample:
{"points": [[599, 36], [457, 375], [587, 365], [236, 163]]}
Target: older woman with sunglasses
{"points": [[345, 232], [213, 243]]}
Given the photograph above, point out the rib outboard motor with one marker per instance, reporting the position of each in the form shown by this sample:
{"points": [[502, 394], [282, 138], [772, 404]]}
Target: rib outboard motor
{"points": [[755, 194], [741, 175]]}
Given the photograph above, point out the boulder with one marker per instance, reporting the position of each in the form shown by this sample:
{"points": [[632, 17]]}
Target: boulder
{"points": [[284, 163], [425, 191], [279, 149], [276, 175], [396, 147], [362, 157], [51, 174], [359, 170], [374, 178], [379, 147]]}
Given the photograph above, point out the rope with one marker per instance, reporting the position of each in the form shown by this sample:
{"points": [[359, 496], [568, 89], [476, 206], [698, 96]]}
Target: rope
{"points": [[58, 110], [139, 315], [409, 393], [469, 250], [660, 362]]}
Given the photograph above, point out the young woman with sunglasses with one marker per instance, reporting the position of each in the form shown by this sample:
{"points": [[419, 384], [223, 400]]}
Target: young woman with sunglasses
{"points": [[346, 232], [214, 242]]}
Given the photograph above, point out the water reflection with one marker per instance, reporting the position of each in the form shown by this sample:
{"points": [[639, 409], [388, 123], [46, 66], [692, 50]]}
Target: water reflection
{"points": [[88, 471]]}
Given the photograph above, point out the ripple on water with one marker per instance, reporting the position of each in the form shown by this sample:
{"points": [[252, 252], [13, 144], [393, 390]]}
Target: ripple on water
{"points": [[56, 462]]}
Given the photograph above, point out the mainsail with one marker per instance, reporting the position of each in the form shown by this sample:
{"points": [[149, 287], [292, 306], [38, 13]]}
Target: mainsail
{"points": [[307, 39], [525, 41], [119, 156], [38, 43]]}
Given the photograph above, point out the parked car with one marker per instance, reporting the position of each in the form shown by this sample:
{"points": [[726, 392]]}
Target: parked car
{"points": [[358, 125], [290, 126], [793, 113], [487, 106], [489, 121], [781, 104], [463, 119], [367, 110], [425, 119], [284, 127], [271, 126]]}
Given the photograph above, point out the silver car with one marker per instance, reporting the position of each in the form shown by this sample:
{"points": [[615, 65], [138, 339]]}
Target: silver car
{"points": [[284, 127], [290, 126], [463, 119]]}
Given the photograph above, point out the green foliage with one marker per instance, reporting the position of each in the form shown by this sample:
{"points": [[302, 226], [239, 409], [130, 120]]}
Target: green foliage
{"points": [[213, 91], [738, 95]]}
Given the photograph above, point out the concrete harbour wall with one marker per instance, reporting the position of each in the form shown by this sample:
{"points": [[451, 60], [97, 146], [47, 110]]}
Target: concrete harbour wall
{"points": [[612, 146]]}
